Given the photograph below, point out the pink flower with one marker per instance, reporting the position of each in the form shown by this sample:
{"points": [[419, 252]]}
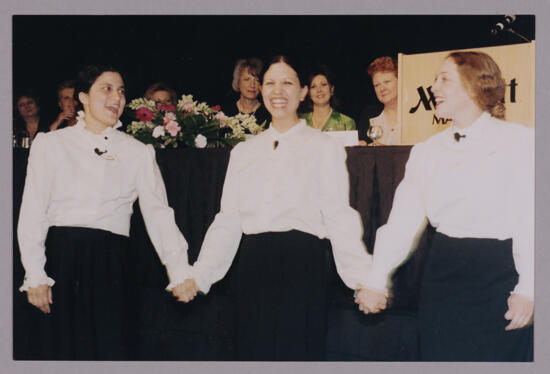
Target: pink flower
{"points": [[188, 107], [166, 108], [168, 117], [144, 114], [173, 128], [217, 108], [221, 117]]}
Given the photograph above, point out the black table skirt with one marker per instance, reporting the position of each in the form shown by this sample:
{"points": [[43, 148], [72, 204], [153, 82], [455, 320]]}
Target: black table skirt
{"points": [[204, 329]]}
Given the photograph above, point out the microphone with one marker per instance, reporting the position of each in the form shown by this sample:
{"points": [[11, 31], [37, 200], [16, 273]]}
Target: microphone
{"points": [[501, 26], [275, 144], [458, 136], [99, 152]]}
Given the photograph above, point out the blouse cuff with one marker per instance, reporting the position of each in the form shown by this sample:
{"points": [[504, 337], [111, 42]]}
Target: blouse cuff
{"points": [[35, 282], [524, 291], [202, 282], [377, 280], [178, 271]]}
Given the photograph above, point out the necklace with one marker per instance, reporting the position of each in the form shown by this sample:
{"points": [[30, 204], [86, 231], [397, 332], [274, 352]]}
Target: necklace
{"points": [[240, 106]]}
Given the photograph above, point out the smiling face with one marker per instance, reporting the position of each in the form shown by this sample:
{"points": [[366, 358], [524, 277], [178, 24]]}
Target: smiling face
{"points": [[385, 87], [249, 85], [282, 92], [27, 107], [320, 90], [104, 103], [162, 97], [451, 97], [66, 102]]}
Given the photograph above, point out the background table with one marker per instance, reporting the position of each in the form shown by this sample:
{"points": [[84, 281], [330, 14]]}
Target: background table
{"points": [[204, 329]]}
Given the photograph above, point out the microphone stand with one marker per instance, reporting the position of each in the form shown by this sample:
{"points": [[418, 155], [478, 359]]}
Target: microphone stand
{"points": [[511, 30]]}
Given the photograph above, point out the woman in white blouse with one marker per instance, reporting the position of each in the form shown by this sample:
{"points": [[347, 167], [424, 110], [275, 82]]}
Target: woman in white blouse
{"points": [[74, 224], [473, 182], [287, 190]]}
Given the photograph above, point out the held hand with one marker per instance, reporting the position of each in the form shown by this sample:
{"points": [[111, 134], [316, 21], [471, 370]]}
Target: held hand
{"points": [[40, 297], [520, 312], [371, 301], [185, 291]]}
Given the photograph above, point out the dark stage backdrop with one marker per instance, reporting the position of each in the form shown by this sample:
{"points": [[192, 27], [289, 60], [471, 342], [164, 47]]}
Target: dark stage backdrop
{"points": [[196, 54]]}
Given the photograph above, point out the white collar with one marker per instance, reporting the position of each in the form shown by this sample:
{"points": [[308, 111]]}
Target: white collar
{"points": [[81, 124], [276, 135]]}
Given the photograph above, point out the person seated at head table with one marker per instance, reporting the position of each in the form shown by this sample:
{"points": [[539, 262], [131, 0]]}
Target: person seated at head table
{"points": [[383, 72], [27, 117], [67, 103], [321, 103], [162, 94], [246, 83]]}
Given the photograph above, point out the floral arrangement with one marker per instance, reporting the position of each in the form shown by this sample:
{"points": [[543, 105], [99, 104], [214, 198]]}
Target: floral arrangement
{"points": [[190, 124]]}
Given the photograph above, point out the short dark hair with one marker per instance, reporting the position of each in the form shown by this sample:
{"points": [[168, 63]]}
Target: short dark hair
{"points": [[26, 92], [88, 75]]}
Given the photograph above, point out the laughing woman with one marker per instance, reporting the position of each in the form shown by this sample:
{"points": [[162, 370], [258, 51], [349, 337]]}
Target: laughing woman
{"points": [[287, 190], [74, 224], [474, 182]]}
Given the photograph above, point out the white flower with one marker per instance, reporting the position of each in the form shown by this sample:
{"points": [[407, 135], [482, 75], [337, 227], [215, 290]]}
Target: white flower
{"points": [[158, 131], [200, 141], [142, 102]]}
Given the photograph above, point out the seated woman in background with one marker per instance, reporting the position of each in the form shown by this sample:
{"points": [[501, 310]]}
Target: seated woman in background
{"points": [[67, 103], [27, 119], [321, 102], [161, 94], [246, 82], [383, 72]]}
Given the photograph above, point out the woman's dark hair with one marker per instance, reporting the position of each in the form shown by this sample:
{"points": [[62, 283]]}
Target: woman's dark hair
{"points": [[321, 69], [295, 64], [88, 75], [26, 92]]}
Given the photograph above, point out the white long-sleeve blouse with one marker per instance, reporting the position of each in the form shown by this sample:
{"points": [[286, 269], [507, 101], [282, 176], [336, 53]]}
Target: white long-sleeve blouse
{"points": [[69, 184], [277, 182], [481, 186]]}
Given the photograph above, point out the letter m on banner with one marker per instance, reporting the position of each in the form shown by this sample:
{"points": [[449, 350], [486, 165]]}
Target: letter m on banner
{"points": [[426, 100]]}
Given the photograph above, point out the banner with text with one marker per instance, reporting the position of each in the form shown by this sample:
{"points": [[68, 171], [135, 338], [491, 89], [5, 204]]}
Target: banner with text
{"points": [[417, 103]]}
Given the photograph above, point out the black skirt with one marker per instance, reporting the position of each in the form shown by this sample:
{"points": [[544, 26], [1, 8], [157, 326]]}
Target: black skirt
{"points": [[94, 311], [463, 299], [282, 300]]}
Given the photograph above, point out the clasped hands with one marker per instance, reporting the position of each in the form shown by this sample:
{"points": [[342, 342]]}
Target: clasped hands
{"points": [[371, 301], [186, 291]]}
